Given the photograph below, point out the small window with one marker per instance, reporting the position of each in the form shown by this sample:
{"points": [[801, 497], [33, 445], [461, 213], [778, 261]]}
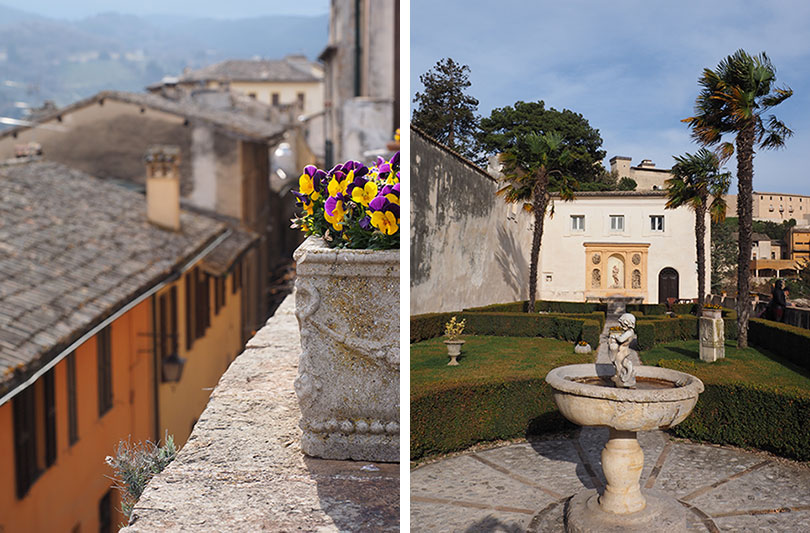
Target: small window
{"points": [[104, 356], [301, 99], [252, 95], [578, 222], [73, 417], [105, 513], [34, 412], [276, 99], [657, 222], [166, 336], [770, 207], [616, 222]]}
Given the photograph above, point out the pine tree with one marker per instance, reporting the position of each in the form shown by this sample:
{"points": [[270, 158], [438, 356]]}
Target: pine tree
{"points": [[444, 111]]}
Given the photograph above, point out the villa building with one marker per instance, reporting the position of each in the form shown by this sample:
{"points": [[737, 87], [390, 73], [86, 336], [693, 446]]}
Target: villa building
{"points": [[608, 244], [118, 315], [473, 249]]}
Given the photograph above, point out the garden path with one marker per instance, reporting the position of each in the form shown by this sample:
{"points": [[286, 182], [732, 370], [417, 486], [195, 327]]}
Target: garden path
{"points": [[526, 486]]}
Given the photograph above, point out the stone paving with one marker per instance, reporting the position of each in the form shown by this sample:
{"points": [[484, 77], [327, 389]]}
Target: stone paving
{"points": [[525, 486]]}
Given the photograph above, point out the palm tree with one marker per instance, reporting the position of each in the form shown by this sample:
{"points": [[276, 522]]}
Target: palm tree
{"points": [[732, 100], [696, 178], [533, 169]]}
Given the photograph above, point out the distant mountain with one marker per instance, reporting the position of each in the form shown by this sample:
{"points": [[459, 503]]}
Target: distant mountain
{"points": [[64, 61]]}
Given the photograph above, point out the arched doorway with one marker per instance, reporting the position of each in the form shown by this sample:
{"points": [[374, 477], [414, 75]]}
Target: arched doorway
{"points": [[667, 285]]}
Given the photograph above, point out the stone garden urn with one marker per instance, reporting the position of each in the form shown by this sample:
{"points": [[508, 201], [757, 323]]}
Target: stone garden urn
{"points": [[347, 305], [661, 398], [453, 350]]}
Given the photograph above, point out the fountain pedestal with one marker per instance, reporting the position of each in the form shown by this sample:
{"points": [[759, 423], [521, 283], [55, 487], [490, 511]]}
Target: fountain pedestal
{"points": [[663, 398]]}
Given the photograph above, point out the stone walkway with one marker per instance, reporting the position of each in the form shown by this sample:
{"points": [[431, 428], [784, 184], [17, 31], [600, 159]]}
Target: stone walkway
{"points": [[525, 486]]}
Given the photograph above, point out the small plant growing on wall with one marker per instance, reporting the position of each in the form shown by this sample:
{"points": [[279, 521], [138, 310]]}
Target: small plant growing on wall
{"points": [[135, 464]]}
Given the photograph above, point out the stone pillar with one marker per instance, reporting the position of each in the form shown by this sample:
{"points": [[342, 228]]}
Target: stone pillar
{"points": [[712, 337]]}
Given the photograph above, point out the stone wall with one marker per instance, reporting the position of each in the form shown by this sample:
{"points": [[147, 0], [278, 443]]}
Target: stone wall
{"points": [[468, 247]]}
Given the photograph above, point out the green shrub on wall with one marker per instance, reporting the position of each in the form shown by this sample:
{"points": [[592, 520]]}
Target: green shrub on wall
{"points": [[455, 418]]}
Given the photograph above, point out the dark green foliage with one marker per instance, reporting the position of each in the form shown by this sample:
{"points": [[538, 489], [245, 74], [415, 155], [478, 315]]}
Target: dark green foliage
{"points": [[684, 309], [455, 418], [524, 325], [545, 306], [655, 331], [787, 341], [627, 184], [743, 414], [501, 130], [647, 309], [429, 326], [511, 307], [444, 111]]}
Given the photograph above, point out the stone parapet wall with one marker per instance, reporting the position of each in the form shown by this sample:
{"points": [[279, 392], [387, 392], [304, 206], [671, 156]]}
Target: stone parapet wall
{"points": [[242, 469]]}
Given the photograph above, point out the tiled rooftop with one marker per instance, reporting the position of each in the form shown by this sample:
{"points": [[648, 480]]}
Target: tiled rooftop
{"points": [[255, 70], [73, 250], [237, 123]]}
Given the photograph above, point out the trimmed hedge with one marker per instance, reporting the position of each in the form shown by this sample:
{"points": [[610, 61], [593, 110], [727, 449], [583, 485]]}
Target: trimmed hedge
{"points": [[787, 341], [546, 306], [455, 418], [742, 414], [571, 328], [655, 331], [429, 326]]}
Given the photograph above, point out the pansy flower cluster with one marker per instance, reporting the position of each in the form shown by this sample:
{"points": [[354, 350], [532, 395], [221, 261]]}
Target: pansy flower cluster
{"points": [[351, 206]]}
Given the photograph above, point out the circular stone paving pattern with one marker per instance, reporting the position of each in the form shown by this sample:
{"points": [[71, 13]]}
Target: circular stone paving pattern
{"points": [[526, 486]]}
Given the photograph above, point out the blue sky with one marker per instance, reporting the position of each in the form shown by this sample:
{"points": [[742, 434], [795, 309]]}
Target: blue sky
{"points": [[629, 66], [76, 9]]}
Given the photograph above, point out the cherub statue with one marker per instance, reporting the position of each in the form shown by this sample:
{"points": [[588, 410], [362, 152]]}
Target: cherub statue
{"points": [[619, 351]]}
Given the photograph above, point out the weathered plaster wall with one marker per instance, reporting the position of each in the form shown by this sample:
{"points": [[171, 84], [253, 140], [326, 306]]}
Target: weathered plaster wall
{"points": [[467, 246]]}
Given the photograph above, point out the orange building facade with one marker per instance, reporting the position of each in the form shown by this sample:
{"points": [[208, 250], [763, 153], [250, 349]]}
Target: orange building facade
{"points": [[89, 374]]}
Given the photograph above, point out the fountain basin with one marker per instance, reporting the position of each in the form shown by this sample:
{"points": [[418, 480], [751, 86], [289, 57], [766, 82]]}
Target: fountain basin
{"points": [[664, 398]]}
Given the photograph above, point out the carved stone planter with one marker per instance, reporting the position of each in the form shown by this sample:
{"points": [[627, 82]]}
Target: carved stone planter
{"points": [[347, 305], [712, 336]]}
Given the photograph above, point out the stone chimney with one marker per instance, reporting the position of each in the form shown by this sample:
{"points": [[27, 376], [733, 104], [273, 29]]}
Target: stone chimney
{"points": [[163, 186]]}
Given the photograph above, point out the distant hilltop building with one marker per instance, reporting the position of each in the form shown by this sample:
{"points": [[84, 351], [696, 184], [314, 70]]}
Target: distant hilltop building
{"points": [[292, 81], [646, 175], [774, 206]]}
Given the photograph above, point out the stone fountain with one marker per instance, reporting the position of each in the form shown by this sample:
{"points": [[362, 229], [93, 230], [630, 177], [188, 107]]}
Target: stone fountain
{"points": [[626, 399]]}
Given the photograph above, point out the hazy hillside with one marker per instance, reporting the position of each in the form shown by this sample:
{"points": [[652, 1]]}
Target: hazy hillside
{"points": [[48, 59]]}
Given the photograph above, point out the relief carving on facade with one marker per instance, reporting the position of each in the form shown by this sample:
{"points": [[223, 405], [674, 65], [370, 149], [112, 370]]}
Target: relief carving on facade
{"points": [[636, 280], [596, 279]]}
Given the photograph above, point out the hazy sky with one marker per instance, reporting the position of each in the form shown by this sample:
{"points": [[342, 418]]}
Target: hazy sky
{"points": [[75, 9], [629, 66]]}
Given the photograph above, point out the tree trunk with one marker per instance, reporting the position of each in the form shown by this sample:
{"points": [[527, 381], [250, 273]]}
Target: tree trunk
{"points": [[745, 183], [700, 239], [539, 202]]}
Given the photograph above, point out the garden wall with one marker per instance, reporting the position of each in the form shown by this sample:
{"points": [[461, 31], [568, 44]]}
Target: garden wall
{"points": [[468, 248]]}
